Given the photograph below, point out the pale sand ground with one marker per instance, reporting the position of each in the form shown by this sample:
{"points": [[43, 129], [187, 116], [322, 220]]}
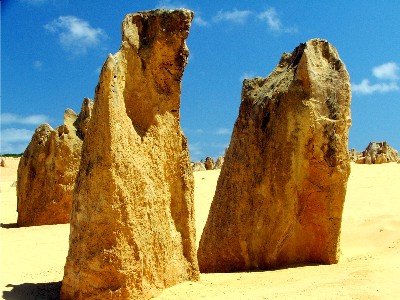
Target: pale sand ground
{"points": [[32, 258]]}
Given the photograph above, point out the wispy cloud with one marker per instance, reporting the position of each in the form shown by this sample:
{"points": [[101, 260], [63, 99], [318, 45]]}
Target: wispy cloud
{"points": [[199, 131], [8, 118], [235, 16], [14, 140], [198, 20], [98, 70], [388, 76], [11, 135], [274, 22], [75, 35], [38, 65], [270, 16], [366, 88], [223, 131], [389, 71], [169, 4], [247, 75]]}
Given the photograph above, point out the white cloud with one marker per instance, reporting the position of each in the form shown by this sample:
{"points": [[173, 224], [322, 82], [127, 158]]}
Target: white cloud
{"points": [[387, 71], [366, 88], [388, 76], [223, 131], [13, 140], [12, 135], [13, 148], [273, 21], [15, 135], [236, 16], [200, 21], [74, 34], [7, 118]]}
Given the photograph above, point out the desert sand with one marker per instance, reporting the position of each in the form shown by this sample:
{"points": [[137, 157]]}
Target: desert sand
{"points": [[32, 258]]}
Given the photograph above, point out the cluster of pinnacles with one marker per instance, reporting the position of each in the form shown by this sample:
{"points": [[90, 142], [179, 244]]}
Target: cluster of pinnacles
{"points": [[279, 198]]}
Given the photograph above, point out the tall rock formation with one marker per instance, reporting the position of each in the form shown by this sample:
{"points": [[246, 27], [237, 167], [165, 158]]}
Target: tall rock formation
{"points": [[48, 169], [132, 222], [281, 191], [209, 163]]}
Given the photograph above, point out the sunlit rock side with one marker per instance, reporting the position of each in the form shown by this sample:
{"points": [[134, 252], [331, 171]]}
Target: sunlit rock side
{"points": [[132, 223], [282, 187], [48, 169]]}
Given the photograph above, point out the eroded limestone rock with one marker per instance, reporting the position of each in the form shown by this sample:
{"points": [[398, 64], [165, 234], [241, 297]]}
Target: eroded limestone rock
{"points": [[281, 191], [378, 153], [219, 162], [47, 171], [132, 222], [198, 166], [209, 163]]}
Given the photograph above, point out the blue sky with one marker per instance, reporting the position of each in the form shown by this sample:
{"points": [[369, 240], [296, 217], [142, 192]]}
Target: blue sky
{"points": [[52, 52]]}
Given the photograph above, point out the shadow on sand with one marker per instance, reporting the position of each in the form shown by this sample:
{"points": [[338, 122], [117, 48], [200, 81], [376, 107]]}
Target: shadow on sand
{"points": [[9, 225], [34, 291]]}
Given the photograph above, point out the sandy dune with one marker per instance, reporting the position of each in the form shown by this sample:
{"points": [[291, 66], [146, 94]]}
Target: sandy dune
{"points": [[32, 258]]}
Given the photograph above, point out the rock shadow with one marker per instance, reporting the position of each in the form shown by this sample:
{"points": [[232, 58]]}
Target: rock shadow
{"points": [[9, 225], [33, 291]]}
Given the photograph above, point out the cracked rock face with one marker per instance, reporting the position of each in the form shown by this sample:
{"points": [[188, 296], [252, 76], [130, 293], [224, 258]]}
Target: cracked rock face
{"points": [[132, 221], [281, 191], [48, 169]]}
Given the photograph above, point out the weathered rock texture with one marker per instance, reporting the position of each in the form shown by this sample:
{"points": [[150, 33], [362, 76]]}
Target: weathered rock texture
{"points": [[281, 191], [48, 169], [378, 153], [132, 222]]}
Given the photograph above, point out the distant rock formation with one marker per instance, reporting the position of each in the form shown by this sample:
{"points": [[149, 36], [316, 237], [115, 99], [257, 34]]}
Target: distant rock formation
{"points": [[219, 162], [280, 195], [378, 153], [132, 221], [2, 162], [47, 171], [198, 166], [209, 163], [354, 155]]}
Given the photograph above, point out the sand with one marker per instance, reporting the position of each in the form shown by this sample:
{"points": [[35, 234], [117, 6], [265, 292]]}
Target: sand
{"points": [[32, 258]]}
